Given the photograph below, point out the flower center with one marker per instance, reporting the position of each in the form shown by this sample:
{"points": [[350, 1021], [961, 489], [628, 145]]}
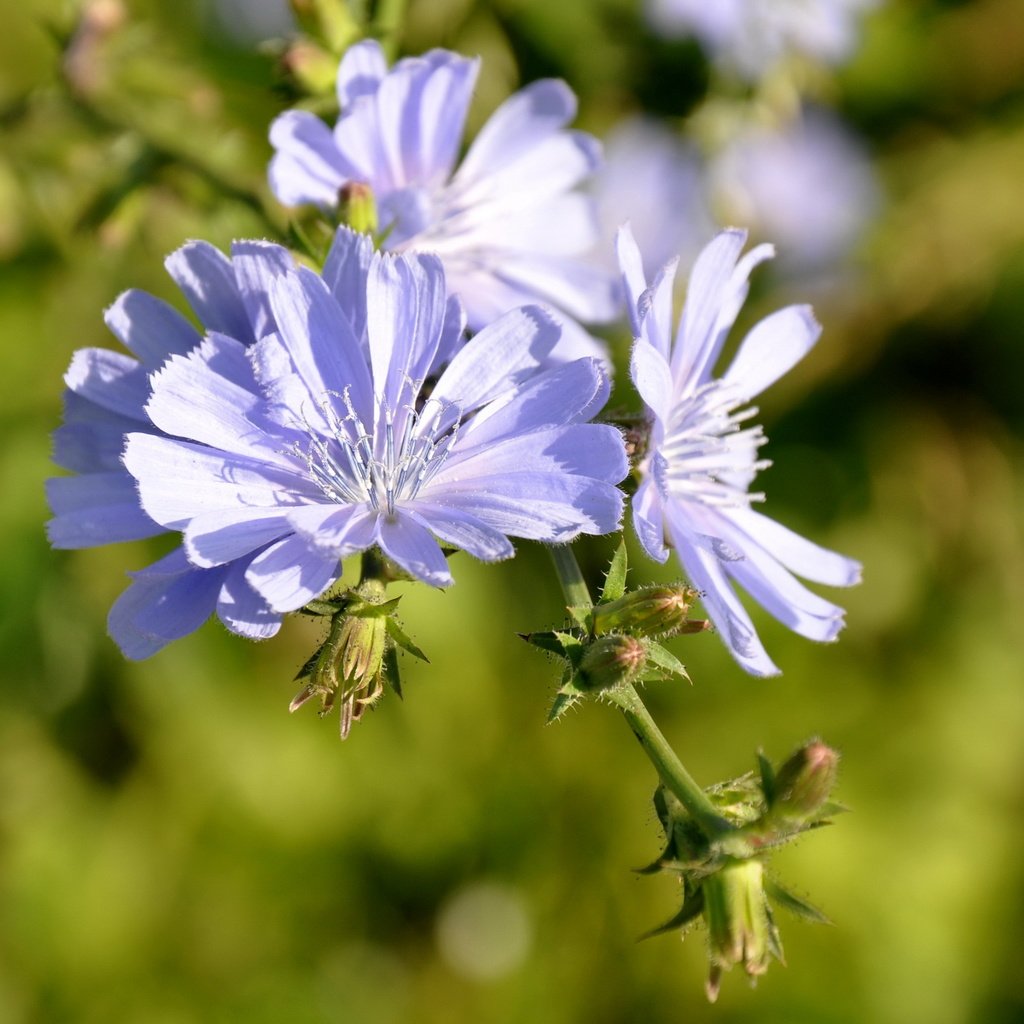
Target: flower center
{"points": [[406, 450], [704, 455]]}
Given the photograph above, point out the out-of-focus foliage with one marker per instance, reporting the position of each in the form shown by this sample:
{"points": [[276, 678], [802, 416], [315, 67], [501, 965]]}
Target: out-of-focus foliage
{"points": [[174, 847]]}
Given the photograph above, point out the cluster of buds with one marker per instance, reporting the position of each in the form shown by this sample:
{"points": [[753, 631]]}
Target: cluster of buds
{"points": [[359, 657], [616, 642], [723, 876]]}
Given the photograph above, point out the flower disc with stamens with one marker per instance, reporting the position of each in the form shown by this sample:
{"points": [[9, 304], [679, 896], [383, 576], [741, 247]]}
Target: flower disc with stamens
{"points": [[319, 441]]}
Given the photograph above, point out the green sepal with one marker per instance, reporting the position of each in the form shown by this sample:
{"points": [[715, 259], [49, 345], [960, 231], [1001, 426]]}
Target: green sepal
{"points": [[767, 771], [666, 661], [310, 662], [399, 636], [794, 904], [774, 938], [569, 694], [691, 909], [581, 615], [615, 582], [321, 608], [363, 609], [546, 641], [391, 674]]}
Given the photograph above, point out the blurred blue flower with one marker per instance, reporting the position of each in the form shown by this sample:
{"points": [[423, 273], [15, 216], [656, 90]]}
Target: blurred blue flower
{"points": [[696, 473], [318, 417], [751, 36], [653, 179], [808, 185], [507, 224]]}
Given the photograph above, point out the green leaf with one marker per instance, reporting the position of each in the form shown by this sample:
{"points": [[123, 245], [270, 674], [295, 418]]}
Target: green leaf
{"points": [[319, 608], [666, 661], [794, 904], [569, 695], [397, 634], [615, 581]]}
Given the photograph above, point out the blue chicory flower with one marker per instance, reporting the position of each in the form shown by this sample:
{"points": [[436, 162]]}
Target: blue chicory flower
{"points": [[506, 223], [751, 36], [808, 185], [700, 462], [320, 416]]}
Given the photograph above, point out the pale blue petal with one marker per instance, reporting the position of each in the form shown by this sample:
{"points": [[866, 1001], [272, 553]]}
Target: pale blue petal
{"points": [[652, 378], [517, 125], [207, 280], [345, 273], [360, 72], [92, 438], [337, 530], [649, 520], [570, 393], [216, 538], [463, 531], [97, 508], [705, 571], [256, 265], [111, 380], [308, 167], [502, 356], [582, 449], [179, 480], [319, 339], [634, 280], [772, 348], [289, 574], [413, 547], [797, 554], [149, 327], [165, 602], [242, 610]]}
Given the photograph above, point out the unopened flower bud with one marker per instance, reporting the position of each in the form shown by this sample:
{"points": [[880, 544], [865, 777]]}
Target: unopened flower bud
{"points": [[610, 661], [310, 65], [740, 929], [804, 783], [357, 207], [652, 611]]}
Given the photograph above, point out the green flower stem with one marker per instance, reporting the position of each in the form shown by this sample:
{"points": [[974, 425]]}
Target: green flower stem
{"points": [[667, 764]]}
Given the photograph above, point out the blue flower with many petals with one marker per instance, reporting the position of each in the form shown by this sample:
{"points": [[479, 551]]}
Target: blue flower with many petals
{"points": [[506, 223], [701, 461], [319, 416]]}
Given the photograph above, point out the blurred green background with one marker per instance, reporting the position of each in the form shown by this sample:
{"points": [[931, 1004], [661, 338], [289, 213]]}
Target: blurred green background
{"points": [[174, 847]]}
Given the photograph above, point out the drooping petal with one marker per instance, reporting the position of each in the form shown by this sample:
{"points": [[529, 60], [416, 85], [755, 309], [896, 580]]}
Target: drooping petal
{"points": [[165, 602], [243, 610], [411, 545], [797, 553], [219, 537], [462, 530], [705, 571], [289, 574], [649, 520]]}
